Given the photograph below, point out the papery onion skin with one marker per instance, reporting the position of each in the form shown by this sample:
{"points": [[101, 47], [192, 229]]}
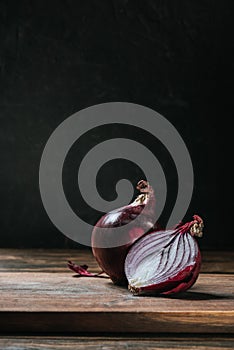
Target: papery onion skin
{"points": [[182, 280], [111, 260]]}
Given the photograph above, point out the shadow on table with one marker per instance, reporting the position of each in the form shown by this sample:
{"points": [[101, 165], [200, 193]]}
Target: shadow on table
{"points": [[189, 295], [198, 296]]}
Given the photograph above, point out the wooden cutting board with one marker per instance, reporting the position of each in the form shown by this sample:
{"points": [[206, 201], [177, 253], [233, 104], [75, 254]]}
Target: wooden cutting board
{"points": [[35, 300]]}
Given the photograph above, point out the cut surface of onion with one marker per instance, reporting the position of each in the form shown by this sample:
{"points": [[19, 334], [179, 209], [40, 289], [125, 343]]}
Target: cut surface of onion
{"points": [[165, 262]]}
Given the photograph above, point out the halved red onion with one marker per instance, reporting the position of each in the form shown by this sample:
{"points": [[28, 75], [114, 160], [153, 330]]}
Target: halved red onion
{"points": [[165, 262], [111, 260]]}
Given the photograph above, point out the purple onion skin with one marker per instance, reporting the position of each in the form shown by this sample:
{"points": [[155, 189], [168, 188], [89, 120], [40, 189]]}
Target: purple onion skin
{"points": [[111, 260], [185, 278]]}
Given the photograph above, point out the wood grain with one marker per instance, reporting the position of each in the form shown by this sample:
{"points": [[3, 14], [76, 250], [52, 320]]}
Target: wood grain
{"points": [[54, 260], [117, 343], [33, 299], [48, 302]]}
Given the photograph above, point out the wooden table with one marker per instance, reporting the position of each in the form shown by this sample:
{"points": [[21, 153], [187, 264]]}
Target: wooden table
{"points": [[42, 306]]}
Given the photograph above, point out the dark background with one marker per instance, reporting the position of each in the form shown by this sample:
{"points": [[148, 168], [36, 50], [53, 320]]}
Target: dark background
{"points": [[57, 57]]}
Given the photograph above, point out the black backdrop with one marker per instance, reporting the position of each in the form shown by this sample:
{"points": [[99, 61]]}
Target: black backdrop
{"points": [[58, 57]]}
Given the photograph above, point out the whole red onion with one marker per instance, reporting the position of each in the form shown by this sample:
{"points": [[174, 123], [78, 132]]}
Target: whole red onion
{"points": [[111, 260], [165, 262]]}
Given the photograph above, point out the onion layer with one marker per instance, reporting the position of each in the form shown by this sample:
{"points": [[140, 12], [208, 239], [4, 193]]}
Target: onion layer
{"points": [[165, 262]]}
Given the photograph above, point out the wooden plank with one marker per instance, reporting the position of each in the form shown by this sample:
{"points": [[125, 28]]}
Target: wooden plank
{"points": [[116, 322], [217, 262], [104, 343], [43, 260], [54, 260], [45, 302]]}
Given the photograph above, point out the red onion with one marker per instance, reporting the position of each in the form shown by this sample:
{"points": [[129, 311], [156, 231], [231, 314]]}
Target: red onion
{"points": [[165, 262], [111, 260]]}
